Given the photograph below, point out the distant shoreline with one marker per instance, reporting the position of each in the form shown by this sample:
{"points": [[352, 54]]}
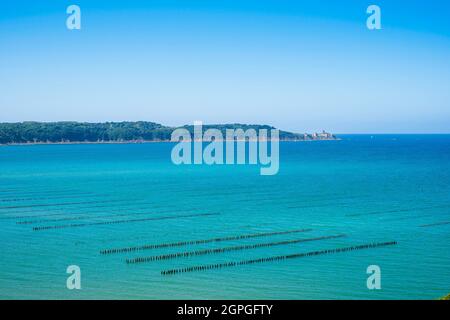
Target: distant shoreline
{"points": [[141, 142], [38, 133]]}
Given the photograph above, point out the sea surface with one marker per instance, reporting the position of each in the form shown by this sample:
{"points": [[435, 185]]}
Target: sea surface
{"points": [[63, 205]]}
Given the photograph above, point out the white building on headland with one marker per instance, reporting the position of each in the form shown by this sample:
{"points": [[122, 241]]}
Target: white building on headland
{"points": [[324, 135]]}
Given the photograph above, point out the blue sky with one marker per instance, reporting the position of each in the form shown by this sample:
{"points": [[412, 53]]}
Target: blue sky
{"points": [[299, 65]]}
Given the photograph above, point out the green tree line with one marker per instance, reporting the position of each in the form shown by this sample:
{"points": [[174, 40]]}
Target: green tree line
{"points": [[56, 132]]}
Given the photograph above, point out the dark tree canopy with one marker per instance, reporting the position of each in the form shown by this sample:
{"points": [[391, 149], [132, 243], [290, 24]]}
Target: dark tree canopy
{"points": [[57, 132]]}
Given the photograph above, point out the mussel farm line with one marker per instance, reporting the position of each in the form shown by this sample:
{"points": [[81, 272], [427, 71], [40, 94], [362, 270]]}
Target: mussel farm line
{"points": [[71, 196], [226, 249], [396, 210], [61, 212], [44, 193], [435, 224], [53, 213], [89, 216], [63, 226], [275, 258], [193, 242], [60, 204]]}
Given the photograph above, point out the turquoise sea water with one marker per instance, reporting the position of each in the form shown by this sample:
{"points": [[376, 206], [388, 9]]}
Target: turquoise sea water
{"points": [[369, 188]]}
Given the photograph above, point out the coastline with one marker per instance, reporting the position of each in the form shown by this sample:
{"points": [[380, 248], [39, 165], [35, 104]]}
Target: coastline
{"points": [[141, 142], [72, 132], [133, 142]]}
